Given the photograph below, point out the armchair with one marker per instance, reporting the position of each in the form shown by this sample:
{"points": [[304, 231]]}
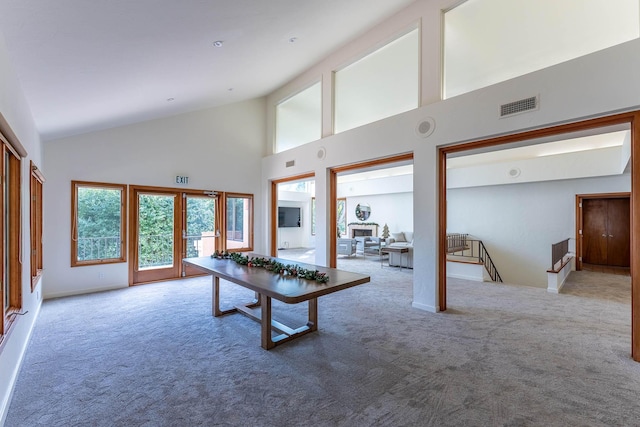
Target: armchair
{"points": [[347, 247]]}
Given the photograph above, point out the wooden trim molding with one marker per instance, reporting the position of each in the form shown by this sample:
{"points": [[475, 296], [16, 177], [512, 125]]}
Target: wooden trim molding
{"points": [[635, 237], [333, 218], [442, 231], [249, 197], [375, 162], [75, 185], [36, 184]]}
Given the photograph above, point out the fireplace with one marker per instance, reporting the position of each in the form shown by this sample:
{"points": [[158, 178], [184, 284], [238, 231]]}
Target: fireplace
{"points": [[357, 230]]}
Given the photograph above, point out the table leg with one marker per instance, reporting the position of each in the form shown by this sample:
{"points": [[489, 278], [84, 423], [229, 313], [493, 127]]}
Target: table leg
{"points": [[267, 342], [313, 314], [215, 297]]}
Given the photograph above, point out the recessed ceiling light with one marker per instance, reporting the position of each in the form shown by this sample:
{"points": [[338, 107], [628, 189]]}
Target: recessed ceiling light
{"points": [[170, 99], [218, 43]]}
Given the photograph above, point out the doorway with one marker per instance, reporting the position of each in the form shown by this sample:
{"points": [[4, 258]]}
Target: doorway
{"points": [[633, 121], [167, 225], [603, 222], [385, 178], [293, 218]]}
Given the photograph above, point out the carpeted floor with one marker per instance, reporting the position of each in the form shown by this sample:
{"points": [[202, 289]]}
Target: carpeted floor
{"points": [[502, 355]]}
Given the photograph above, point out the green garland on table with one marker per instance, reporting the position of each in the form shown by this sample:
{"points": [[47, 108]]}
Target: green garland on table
{"points": [[273, 265]]}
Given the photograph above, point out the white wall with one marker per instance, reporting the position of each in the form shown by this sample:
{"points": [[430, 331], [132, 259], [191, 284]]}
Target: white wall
{"points": [[582, 164], [518, 223], [14, 108], [394, 209], [578, 89], [219, 149]]}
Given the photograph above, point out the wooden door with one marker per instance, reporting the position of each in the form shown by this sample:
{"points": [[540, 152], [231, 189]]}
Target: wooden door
{"points": [[606, 232], [594, 231], [618, 229]]}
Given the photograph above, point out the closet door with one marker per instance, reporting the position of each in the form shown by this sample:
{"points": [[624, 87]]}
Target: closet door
{"points": [[594, 231], [606, 228], [618, 233]]}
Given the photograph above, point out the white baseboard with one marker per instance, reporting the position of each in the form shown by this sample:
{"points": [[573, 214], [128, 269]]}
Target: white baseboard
{"points": [[464, 277], [425, 307], [83, 291]]}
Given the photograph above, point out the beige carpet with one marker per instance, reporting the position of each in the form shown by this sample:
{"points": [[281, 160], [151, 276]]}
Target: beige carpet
{"points": [[502, 355]]}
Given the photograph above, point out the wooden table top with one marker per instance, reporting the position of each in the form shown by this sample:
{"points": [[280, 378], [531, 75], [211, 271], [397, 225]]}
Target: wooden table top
{"points": [[288, 289]]}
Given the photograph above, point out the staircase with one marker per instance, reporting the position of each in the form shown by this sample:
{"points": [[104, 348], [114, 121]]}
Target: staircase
{"points": [[461, 248]]}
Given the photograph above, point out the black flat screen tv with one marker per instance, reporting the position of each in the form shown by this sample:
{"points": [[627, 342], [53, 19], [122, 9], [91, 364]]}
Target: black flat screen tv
{"points": [[288, 217]]}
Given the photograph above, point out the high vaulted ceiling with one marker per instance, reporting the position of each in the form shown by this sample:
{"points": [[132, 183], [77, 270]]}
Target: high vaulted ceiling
{"points": [[89, 65]]}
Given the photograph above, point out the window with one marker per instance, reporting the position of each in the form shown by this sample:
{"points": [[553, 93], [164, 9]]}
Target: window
{"points": [[299, 119], [342, 217], [490, 41], [239, 222], [313, 216], [380, 85], [98, 227], [10, 232], [36, 224]]}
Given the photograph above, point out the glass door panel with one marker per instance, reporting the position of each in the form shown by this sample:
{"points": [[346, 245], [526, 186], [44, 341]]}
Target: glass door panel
{"points": [[201, 230], [157, 246], [155, 231], [238, 223]]}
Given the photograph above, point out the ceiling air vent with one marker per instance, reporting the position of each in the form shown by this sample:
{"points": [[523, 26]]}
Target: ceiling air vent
{"points": [[520, 106]]}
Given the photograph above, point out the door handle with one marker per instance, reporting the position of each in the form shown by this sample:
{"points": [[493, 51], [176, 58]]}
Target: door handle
{"points": [[610, 235], [604, 235]]}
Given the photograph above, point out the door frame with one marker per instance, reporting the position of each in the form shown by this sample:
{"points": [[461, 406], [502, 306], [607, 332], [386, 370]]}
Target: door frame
{"points": [[631, 118], [274, 206], [179, 215], [580, 218], [333, 197]]}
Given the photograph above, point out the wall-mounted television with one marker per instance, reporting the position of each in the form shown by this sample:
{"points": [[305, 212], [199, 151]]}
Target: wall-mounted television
{"points": [[288, 217]]}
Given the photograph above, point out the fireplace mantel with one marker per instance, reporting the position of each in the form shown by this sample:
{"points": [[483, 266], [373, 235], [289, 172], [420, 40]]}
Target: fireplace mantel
{"points": [[373, 229]]}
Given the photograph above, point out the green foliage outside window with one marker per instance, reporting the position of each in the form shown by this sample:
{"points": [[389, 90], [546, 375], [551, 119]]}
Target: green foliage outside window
{"points": [[200, 219], [155, 230], [99, 221], [235, 218]]}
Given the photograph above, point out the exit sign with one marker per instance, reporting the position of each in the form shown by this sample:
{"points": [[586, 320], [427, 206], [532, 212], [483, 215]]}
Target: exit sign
{"points": [[182, 179]]}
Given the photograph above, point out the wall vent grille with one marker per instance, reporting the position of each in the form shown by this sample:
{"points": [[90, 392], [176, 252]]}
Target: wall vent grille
{"points": [[290, 163], [520, 106]]}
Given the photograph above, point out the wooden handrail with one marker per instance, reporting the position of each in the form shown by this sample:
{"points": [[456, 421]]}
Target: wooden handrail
{"points": [[558, 252]]}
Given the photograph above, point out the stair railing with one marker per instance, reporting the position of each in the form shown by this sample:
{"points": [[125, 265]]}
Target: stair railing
{"points": [[488, 263], [558, 252], [461, 245]]}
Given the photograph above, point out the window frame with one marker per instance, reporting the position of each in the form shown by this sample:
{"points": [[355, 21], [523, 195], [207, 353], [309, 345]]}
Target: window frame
{"points": [[75, 185], [249, 223], [11, 211], [35, 191]]}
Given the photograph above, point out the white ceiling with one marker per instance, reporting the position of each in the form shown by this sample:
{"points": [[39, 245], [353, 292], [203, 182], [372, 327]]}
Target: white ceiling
{"points": [[90, 65]]}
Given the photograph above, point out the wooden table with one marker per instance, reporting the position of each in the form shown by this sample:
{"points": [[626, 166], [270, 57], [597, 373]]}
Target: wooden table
{"points": [[267, 285], [388, 249]]}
